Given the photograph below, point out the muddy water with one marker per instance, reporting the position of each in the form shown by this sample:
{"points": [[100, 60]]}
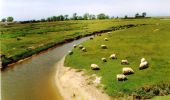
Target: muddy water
{"points": [[33, 79]]}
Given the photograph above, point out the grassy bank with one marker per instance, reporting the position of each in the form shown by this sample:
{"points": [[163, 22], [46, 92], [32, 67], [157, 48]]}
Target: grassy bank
{"points": [[150, 41], [19, 41]]}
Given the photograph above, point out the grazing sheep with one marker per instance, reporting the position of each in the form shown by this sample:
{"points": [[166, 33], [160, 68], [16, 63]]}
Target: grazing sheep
{"points": [[103, 46], [112, 56], [121, 77], [94, 67], [70, 52], [124, 62], [142, 60], [127, 71], [91, 38], [41, 45], [106, 39], [84, 49], [104, 60], [31, 48], [108, 32], [143, 65], [74, 45], [80, 46], [155, 30]]}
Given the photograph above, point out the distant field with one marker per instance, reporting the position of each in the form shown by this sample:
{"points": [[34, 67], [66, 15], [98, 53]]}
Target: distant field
{"points": [[150, 41], [18, 39]]}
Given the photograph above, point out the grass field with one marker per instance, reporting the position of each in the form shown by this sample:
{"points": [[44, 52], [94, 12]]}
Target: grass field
{"points": [[18, 39], [161, 98], [151, 42]]}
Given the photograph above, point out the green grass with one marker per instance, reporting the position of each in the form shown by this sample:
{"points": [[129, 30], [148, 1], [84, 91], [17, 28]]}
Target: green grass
{"points": [[133, 44], [35, 34], [161, 98], [17, 38]]}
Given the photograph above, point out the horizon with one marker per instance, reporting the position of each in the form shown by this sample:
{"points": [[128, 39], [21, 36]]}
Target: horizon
{"points": [[21, 10]]}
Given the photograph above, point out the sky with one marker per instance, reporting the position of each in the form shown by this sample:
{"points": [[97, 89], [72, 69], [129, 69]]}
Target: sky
{"points": [[37, 9]]}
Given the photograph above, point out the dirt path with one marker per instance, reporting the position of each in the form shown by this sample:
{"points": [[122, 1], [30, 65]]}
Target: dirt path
{"points": [[73, 85]]}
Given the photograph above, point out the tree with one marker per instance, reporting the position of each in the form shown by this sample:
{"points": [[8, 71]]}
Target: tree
{"points": [[61, 17], [92, 17], [49, 19], [66, 17], [144, 14], [136, 15], [54, 18], [126, 17], [80, 18], [42, 20], [10, 19], [3, 19], [74, 16], [102, 16], [86, 16]]}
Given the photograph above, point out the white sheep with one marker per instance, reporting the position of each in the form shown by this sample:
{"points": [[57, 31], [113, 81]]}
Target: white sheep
{"points": [[127, 70], [94, 67], [74, 45], [80, 46], [84, 49], [142, 60], [106, 39], [124, 62], [70, 52], [31, 48], [104, 59], [143, 65], [103, 46], [112, 56], [121, 77]]}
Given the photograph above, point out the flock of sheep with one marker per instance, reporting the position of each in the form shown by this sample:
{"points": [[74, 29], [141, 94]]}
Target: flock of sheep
{"points": [[125, 71]]}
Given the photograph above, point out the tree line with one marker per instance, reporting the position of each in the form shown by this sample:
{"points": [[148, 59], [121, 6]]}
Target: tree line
{"points": [[8, 19], [75, 16]]}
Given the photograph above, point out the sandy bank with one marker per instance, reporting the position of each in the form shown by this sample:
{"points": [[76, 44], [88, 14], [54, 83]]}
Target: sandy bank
{"points": [[73, 85]]}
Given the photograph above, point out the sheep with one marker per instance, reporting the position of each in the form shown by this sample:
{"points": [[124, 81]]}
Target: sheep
{"points": [[84, 49], [74, 45], [124, 62], [106, 39], [41, 45], [70, 52], [103, 46], [80, 46], [143, 65], [94, 67], [91, 38], [31, 48], [112, 56], [121, 77], [142, 60], [104, 59], [127, 71]]}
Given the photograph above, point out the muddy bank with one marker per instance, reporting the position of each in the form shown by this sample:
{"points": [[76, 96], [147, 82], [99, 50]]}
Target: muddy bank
{"points": [[73, 85], [7, 61]]}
